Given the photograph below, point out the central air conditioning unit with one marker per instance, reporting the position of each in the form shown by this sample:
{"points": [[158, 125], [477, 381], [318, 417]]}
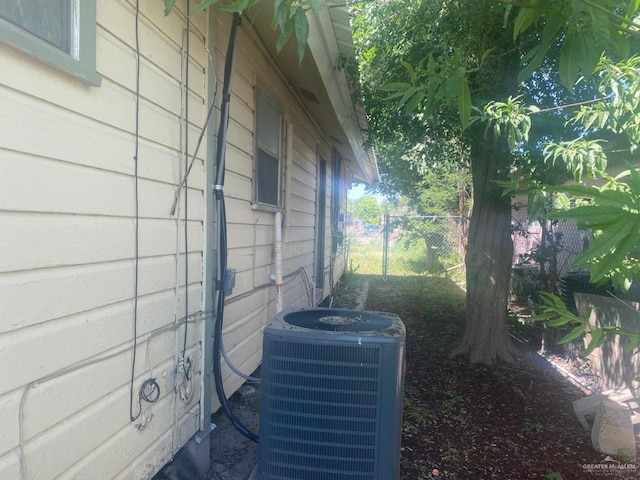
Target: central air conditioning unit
{"points": [[331, 396]]}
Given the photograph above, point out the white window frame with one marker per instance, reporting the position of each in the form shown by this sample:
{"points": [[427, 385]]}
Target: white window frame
{"points": [[81, 62], [279, 155]]}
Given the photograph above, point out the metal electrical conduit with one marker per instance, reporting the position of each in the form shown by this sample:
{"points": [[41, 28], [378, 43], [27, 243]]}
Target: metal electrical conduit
{"points": [[301, 271], [221, 231]]}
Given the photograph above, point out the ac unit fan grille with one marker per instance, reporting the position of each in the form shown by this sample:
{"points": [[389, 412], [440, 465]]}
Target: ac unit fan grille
{"points": [[321, 436], [324, 368], [287, 472], [339, 354], [325, 396], [329, 425], [323, 451], [326, 410], [345, 384], [322, 408], [339, 321]]}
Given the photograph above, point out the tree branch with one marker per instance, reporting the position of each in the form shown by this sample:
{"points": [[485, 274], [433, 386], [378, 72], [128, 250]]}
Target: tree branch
{"points": [[576, 104], [614, 15]]}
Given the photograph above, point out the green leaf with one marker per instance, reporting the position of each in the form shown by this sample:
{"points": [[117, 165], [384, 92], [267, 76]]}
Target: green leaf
{"points": [[543, 317], [281, 10], [569, 61], [614, 197], [551, 31], [285, 35], [597, 339], [485, 54], [507, 14], [524, 19], [589, 53], [572, 335], [611, 262], [237, 6], [202, 5], [632, 8], [632, 343], [452, 82], [558, 322], [551, 299], [394, 86], [606, 242], [168, 6], [316, 5], [601, 26], [589, 214], [409, 93], [577, 190], [634, 182], [579, 53], [412, 72], [302, 32], [414, 101], [464, 103]]}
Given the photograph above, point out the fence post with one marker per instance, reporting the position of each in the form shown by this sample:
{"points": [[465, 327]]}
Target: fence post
{"points": [[385, 246]]}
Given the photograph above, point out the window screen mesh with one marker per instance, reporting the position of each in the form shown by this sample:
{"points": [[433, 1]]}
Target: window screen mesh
{"points": [[49, 20], [268, 140]]}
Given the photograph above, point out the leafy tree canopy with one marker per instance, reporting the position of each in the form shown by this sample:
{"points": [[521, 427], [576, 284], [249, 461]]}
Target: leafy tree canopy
{"points": [[426, 64], [367, 209]]}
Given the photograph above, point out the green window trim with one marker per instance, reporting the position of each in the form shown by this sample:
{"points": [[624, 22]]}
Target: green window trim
{"points": [[81, 62]]}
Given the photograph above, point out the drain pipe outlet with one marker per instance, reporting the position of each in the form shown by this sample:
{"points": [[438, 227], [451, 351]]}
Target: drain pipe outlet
{"points": [[277, 226]]}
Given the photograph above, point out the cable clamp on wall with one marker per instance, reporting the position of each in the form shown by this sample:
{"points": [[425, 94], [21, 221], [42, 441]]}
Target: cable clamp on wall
{"points": [[217, 191]]}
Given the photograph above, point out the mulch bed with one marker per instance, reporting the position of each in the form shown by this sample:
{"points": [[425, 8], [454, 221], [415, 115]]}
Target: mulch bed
{"points": [[464, 421]]}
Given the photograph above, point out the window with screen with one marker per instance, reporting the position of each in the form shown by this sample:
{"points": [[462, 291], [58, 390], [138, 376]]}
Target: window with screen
{"points": [[268, 156], [61, 33]]}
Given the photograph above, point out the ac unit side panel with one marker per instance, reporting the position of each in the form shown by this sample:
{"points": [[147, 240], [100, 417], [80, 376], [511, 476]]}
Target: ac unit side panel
{"points": [[391, 401]]}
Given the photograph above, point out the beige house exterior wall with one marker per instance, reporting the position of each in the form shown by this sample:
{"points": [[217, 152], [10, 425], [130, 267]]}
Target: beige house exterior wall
{"points": [[67, 242], [67, 251]]}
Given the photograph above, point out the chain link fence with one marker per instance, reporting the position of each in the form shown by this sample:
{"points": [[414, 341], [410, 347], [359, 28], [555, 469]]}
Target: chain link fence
{"points": [[408, 245], [556, 244], [433, 245], [544, 256]]}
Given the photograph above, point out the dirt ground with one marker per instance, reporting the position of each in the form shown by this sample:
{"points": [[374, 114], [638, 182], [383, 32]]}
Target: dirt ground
{"points": [[461, 421], [233, 457], [476, 422]]}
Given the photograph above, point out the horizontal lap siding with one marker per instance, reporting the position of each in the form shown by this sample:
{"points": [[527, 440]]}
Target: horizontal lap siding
{"points": [[67, 250]]}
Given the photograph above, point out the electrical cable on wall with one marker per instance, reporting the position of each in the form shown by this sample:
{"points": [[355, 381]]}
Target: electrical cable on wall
{"points": [[149, 390], [187, 368], [67, 371], [203, 130], [221, 232], [288, 278], [136, 215], [194, 154]]}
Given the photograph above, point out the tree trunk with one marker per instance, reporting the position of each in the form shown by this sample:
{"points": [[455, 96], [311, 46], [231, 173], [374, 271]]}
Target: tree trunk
{"points": [[464, 200], [489, 256]]}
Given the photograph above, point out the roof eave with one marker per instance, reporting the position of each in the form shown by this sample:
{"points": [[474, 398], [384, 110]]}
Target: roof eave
{"points": [[330, 40]]}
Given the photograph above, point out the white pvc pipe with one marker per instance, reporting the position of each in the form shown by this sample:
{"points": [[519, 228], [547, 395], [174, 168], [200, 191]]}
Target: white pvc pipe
{"points": [[288, 173], [278, 259], [288, 158]]}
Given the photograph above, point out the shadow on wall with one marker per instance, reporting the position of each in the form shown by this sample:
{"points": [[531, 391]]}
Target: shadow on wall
{"points": [[616, 367]]}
